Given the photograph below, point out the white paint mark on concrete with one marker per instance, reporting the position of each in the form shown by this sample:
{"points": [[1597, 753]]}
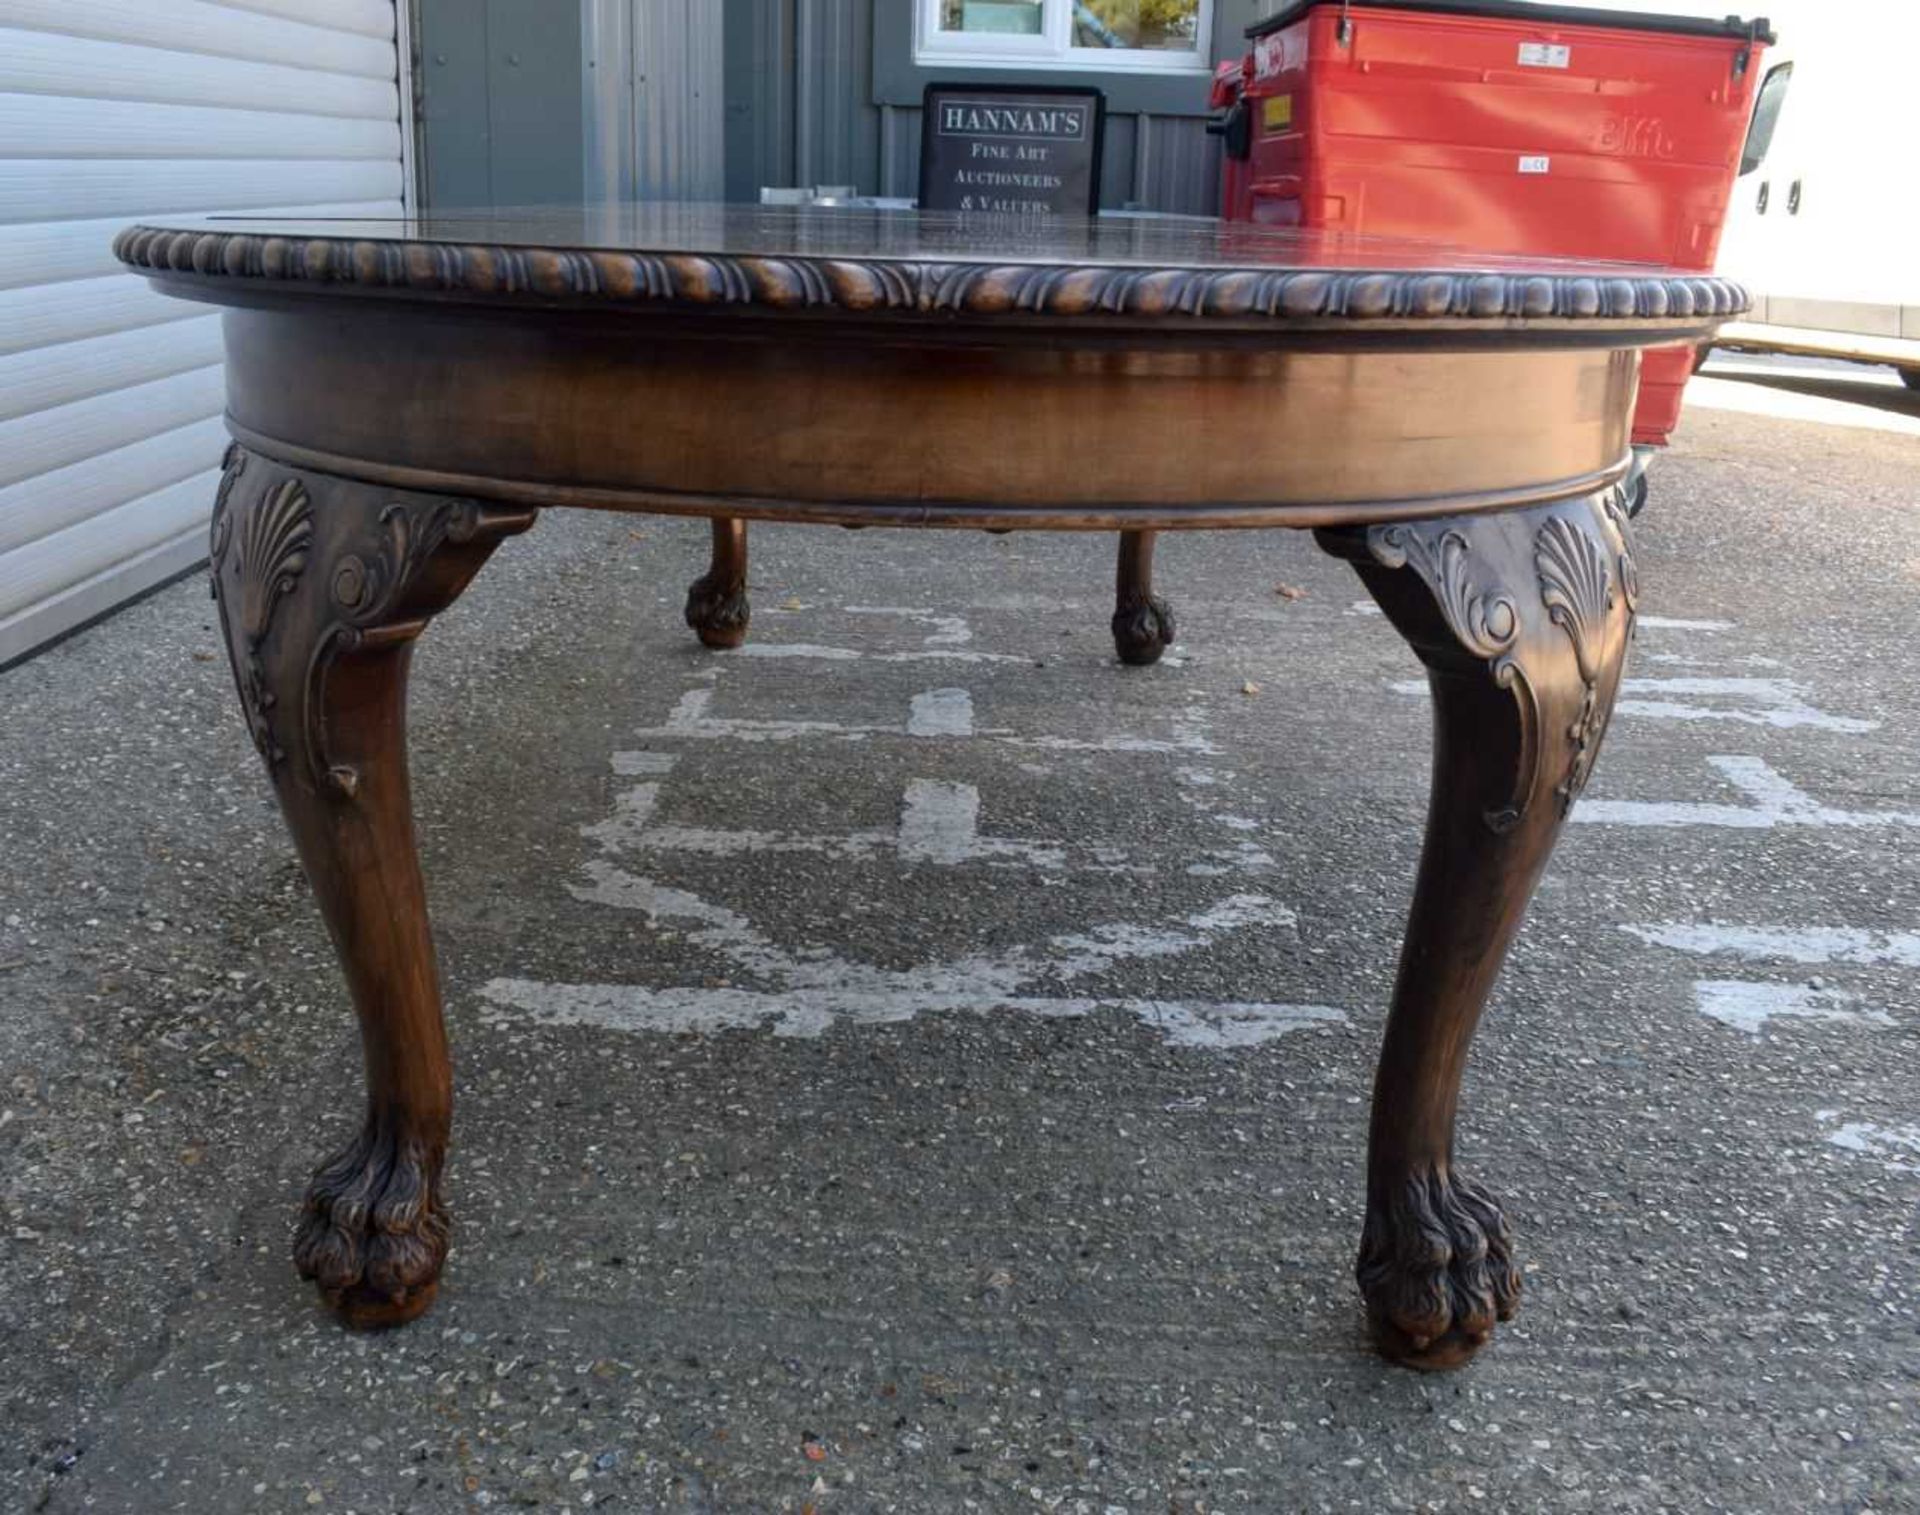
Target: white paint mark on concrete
{"points": [[948, 630], [1759, 702], [1778, 703], [1671, 623], [691, 719], [1897, 1146], [632, 815], [810, 1013], [807, 988], [1364, 607], [633, 765], [1245, 858], [816, 987], [709, 842], [1229, 1025], [1683, 660], [941, 712], [1807, 944], [940, 823], [1190, 735], [1749, 1006], [979, 975], [808, 650], [1776, 802], [818, 653]]}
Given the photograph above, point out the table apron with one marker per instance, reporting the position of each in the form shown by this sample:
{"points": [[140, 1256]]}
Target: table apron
{"points": [[878, 428]]}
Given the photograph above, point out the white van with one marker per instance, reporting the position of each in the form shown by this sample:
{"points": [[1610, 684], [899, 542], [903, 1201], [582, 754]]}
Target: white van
{"points": [[1826, 229], [1824, 226]]}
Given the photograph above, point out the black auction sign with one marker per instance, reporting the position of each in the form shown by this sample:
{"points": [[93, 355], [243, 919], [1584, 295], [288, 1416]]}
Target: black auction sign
{"points": [[1011, 150]]}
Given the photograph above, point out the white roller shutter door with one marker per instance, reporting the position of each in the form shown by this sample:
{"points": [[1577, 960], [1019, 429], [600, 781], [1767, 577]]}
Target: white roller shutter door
{"points": [[110, 395]]}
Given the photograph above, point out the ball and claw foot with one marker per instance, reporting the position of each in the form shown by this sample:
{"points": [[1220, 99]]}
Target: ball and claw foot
{"points": [[373, 1235], [1142, 631], [1436, 1268], [718, 613]]}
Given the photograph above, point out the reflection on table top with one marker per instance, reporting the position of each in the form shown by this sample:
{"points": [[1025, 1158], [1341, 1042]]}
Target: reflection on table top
{"points": [[828, 232]]}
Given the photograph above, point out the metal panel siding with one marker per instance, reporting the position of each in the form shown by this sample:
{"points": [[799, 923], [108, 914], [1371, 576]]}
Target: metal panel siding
{"points": [[679, 79], [43, 189], [453, 103], [759, 80], [110, 394], [199, 26], [50, 252], [41, 63], [370, 18], [96, 594], [53, 127], [836, 124], [142, 543], [49, 376], [1117, 160], [533, 102], [50, 502], [66, 434], [502, 102], [1182, 170]]}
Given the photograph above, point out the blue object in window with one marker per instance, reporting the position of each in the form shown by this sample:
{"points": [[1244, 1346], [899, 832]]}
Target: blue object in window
{"points": [[1084, 20]]}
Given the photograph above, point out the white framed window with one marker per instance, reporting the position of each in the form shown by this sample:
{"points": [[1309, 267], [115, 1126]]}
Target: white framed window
{"points": [[1143, 36]]}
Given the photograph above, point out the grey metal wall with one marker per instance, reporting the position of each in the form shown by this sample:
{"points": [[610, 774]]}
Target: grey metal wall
{"points": [[799, 97], [500, 102], [654, 92], [808, 102], [537, 101]]}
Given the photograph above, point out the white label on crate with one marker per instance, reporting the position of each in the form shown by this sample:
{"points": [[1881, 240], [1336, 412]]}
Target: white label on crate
{"points": [[1545, 55], [1536, 165]]}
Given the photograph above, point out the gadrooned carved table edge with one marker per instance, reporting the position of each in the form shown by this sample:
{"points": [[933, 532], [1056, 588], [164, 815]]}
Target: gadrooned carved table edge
{"points": [[914, 285]]}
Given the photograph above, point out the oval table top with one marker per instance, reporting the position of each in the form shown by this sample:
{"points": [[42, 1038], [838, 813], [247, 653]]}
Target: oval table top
{"points": [[898, 367], [905, 263]]}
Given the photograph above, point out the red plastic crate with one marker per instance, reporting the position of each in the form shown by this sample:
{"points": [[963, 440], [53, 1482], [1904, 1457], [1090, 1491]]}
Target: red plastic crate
{"points": [[1504, 127]]}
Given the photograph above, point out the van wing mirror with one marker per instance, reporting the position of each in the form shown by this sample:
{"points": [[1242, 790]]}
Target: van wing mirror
{"points": [[1766, 116]]}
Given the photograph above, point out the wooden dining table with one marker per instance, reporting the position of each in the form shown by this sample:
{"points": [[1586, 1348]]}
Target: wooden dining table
{"points": [[404, 395]]}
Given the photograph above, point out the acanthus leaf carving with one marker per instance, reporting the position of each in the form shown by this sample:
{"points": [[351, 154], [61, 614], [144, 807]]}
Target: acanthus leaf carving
{"points": [[1576, 586], [220, 528], [1614, 503], [1485, 622], [269, 552], [368, 593]]}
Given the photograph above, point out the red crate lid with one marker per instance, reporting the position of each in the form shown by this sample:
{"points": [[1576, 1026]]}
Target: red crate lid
{"points": [[1757, 30]]}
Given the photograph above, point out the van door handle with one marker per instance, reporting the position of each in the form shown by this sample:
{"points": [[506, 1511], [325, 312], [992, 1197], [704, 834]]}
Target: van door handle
{"points": [[1793, 199], [1766, 193]]}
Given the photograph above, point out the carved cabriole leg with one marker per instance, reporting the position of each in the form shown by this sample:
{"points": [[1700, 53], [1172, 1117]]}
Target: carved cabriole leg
{"points": [[1142, 623], [323, 584], [1522, 620], [717, 607]]}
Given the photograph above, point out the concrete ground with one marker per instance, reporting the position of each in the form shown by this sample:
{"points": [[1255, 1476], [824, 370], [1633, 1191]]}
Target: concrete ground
{"points": [[919, 1065]]}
